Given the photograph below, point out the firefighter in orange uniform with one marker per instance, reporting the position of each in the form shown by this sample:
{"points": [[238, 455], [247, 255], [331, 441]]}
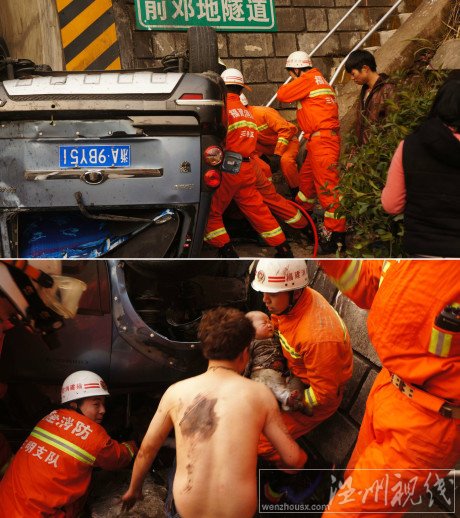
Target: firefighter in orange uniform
{"points": [[412, 419], [276, 138], [318, 117], [314, 340], [241, 138], [51, 472], [22, 287]]}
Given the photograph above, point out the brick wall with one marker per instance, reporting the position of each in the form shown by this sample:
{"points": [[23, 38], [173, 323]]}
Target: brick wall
{"points": [[262, 56]]}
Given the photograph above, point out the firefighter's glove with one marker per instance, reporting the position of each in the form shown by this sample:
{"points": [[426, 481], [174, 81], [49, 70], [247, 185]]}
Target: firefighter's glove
{"points": [[275, 163]]}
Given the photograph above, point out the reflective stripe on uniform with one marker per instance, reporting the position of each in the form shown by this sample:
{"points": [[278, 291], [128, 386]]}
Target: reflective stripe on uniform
{"points": [[350, 278], [310, 397], [332, 215], [285, 345], [322, 91], [386, 265], [215, 233], [295, 218], [303, 198], [63, 445], [128, 447], [241, 124], [440, 343], [272, 233], [342, 323], [263, 127], [283, 140]]}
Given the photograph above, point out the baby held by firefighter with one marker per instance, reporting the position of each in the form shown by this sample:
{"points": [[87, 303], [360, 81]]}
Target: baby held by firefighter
{"points": [[267, 365]]}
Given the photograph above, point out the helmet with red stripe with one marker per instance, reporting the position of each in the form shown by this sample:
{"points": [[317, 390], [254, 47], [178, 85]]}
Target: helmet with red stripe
{"points": [[277, 275], [232, 76], [82, 384]]}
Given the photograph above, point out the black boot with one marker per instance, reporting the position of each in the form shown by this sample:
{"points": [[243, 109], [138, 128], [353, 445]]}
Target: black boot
{"points": [[284, 250], [294, 191], [331, 242], [227, 251]]}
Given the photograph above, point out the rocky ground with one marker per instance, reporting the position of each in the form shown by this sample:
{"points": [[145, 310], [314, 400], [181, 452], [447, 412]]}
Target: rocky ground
{"points": [[108, 487]]}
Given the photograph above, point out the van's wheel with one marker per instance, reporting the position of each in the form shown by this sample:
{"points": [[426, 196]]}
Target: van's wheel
{"points": [[4, 52], [202, 46]]}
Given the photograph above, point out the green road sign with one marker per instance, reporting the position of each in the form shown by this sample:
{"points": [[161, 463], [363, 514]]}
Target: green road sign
{"points": [[223, 15]]}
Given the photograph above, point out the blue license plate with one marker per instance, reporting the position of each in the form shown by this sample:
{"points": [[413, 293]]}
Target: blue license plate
{"points": [[94, 156]]}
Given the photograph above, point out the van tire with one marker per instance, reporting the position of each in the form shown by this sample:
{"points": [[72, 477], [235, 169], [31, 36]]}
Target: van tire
{"points": [[202, 47]]}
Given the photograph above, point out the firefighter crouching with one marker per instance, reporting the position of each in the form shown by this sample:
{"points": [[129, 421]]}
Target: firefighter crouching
{"points": [[51, 472], [276, 138], [314, 340], [30, 297]]}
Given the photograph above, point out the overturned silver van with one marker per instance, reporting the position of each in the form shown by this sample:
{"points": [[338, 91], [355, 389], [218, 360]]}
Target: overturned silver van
{"points": [[108, 163]]}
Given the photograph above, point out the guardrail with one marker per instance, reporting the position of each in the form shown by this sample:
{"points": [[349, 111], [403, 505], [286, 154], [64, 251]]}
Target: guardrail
{"points": [[368, 35]]}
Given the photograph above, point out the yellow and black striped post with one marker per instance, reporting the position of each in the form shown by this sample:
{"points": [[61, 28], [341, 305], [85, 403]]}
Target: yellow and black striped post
{"points": [[88, 35]]}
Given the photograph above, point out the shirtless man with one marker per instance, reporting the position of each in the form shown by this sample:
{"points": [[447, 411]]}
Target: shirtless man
{"points": [[217, 417]]}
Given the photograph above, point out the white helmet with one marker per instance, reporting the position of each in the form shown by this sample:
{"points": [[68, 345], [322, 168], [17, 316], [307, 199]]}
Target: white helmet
{"points": [[82, 384], [277, 275], [244, 100], [232, 76], [298, 59]]}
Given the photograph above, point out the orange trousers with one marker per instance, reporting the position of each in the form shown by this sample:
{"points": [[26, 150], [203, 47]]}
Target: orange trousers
{"points": [[288, 161], [297, 424], [403, 446], [319, 178], [241, 187], [277, 204]]}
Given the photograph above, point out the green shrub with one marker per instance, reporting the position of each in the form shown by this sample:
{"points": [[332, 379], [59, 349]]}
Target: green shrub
{"points": [[374, 232]]}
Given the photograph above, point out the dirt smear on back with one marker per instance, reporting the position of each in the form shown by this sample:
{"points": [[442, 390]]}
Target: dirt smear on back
{"points": [[200, 419]]}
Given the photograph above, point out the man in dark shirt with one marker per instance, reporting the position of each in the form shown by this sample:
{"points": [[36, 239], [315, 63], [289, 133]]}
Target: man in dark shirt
{"points": [[376, 89]]}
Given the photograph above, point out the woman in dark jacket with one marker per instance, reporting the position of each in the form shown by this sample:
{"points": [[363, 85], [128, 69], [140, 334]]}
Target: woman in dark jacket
{"points": [[424, 180]]}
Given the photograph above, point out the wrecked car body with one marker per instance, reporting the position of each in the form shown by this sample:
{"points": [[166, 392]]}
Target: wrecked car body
{"points": [[136, 325]]}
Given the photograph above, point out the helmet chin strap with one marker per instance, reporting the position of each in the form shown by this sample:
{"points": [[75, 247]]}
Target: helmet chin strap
{"points": [[292, 302], [76, 408]]}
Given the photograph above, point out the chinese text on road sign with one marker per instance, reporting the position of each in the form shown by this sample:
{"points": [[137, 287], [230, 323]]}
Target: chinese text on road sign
{"points": [[223, 15]]}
